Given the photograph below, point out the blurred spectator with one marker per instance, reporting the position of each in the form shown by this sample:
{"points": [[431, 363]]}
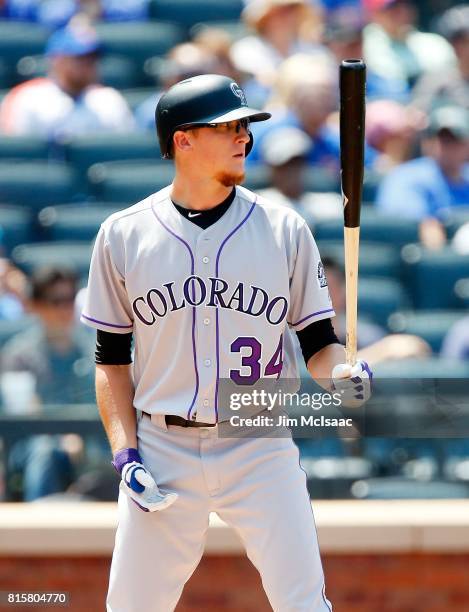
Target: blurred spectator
{"points": [[456, 343], [305, 94], [460, 242], [342, 35], [284, 151], [333, 5], [280, 31], [305, 97], [426, 187], [56, 356], [373, 343], [217, 42], [12, 291], [391, 129], [448, 87], [183, 61], [57, 13], [395, 49], [69, 101], [55, 352]]}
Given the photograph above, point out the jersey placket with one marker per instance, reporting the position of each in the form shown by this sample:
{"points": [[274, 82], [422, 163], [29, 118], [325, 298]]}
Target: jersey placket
{"points": [[205, 333]]}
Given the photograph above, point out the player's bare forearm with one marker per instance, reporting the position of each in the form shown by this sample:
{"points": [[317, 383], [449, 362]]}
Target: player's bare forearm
{"points": [[321, 364], [114, 395]]}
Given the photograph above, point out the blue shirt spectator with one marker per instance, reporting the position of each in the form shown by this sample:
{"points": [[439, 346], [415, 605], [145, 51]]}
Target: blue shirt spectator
{"points": [[325, 143], [56, 13], [428, 186], [419, 189], [69, 101]]}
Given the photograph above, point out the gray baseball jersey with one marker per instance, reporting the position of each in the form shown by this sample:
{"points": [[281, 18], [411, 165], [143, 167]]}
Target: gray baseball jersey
{"points": [[205, 305]]}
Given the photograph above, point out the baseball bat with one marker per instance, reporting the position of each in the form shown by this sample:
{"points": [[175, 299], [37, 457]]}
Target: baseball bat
{"points": [[352, 135]]}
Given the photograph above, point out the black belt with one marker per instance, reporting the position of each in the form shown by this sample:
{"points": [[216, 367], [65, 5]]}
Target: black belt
{"points": [[172, 419]]}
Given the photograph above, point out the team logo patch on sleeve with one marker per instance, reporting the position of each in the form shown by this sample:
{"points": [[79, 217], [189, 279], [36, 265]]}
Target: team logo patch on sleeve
{"points": [[322, 280]]}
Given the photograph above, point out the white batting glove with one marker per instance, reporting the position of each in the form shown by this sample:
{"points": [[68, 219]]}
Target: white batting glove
{"points": [[353, 383], [138, 483]]}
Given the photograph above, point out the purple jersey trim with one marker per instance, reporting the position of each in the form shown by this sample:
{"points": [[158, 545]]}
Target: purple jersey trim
{"points": [[216, 310], [312, 315], [194, 348], [323, 590], [107, 324]]}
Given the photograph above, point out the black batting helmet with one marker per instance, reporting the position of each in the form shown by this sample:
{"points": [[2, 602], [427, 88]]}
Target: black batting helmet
{"points": [[198, 101]]}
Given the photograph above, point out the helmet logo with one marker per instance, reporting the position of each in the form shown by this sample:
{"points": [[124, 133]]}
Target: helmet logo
{"points": [[239, 93]]}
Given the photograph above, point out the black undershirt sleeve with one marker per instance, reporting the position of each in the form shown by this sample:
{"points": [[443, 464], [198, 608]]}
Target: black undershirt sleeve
{"points": [[315, 337], [113, 349]]}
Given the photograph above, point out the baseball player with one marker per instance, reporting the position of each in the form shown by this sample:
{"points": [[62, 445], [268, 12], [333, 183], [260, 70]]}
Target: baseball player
{"points": [[208, 280]]}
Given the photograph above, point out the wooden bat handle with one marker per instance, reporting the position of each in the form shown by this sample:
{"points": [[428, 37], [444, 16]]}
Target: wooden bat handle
{"points": [[351, 244]]}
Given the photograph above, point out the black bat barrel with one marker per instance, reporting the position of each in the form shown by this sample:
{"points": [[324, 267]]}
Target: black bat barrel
{"points": [[352, 136]]}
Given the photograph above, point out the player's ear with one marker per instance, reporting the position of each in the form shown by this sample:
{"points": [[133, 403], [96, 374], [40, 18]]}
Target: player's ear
{"points": [[182, 140]]}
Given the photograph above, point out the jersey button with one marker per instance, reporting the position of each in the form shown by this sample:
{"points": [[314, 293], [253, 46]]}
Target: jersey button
{"points": [[206, 321], [207, 362], [206, 402], [205, 260]]}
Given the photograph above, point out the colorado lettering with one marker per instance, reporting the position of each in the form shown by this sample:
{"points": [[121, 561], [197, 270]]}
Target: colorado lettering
{"points": [[215, 292]]}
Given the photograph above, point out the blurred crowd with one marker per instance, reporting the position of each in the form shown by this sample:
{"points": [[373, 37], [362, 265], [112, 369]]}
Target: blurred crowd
{"points": [[93, 79]]}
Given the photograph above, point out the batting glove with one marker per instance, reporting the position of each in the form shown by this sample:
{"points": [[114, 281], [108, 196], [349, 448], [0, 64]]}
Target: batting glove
{"points": [[138, 483], [353, 383]]}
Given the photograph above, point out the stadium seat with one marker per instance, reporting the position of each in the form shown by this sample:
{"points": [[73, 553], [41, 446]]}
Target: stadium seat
{"points": [[373, 226], [139, 41], [23, 147], [429, 367], [74, 222], [38, 184], [190, 12], [431, 325], [16, 225], [379, 297], [114, 70], [235, 29], [134, 97], [6, 74], [74, 255], [332, 477], [406, 488], [84, 151], [431, 275], [120, 72], [18, 39], [375, 259], [129, 182], [321, 179]]}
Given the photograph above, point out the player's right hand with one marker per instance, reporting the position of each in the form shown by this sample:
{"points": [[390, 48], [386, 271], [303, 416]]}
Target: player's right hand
{"points": [[138, 483]]}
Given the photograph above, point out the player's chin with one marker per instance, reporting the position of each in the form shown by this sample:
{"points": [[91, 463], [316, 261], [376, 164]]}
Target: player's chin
{"points": [[230, 179]]}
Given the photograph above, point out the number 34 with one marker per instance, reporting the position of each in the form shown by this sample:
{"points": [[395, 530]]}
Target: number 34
{"points": [[252, 361]]}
